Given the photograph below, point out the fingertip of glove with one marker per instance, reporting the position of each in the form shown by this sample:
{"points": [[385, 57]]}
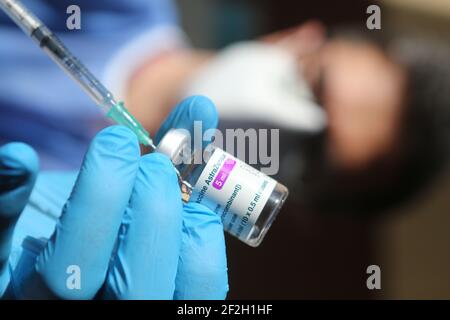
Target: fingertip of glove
{"points": [[117, 139], [18, 170], [158, 182], [160, 163], [18, 155], [203, 109]]}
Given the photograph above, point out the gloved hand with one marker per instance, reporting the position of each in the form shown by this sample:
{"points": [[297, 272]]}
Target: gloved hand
{"points": [[18, 168], [124, 233]]}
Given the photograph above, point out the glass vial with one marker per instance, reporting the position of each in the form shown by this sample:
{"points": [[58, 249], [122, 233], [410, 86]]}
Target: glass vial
{"points": [[246, 199]]}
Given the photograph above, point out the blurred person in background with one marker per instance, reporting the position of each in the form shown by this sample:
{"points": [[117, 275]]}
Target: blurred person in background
{"points": [[387, 106], [371, 110]]}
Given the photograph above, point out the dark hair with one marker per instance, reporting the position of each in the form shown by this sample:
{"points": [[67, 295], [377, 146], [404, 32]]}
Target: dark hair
{"points": [[425, 138], [427, 126]]}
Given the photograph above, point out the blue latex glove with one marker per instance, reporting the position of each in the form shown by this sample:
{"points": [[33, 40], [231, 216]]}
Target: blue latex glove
{"points": [[125, 228], [18, 168]]}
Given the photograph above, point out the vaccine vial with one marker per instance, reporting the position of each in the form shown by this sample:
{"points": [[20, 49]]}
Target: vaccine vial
{"points": [[246, 199]]}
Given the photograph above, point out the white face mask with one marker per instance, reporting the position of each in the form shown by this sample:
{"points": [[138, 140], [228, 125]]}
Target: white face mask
{"points": [[259, 82]]}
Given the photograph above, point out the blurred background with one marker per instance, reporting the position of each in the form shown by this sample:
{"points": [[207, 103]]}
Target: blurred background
{"points": [[317, 252], [364, 119]]}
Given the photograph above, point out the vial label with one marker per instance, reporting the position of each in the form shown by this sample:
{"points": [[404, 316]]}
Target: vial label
{"points": [[234, 190]]}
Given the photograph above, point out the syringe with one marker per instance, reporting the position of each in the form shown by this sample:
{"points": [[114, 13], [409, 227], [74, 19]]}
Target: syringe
{"points": [[56, 50]]}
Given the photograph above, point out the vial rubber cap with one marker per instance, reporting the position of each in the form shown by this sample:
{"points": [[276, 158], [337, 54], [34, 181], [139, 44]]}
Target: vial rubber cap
{"points": [[173, 144]]}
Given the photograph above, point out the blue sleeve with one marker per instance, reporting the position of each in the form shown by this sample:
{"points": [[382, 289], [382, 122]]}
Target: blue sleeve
{"points": [[99, 12]]}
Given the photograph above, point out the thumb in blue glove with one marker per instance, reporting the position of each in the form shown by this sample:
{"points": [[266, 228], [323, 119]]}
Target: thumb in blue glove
{"points": [[202, 265], [18, 169]]}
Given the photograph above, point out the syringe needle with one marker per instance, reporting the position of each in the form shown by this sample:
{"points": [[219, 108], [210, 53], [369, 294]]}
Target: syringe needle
{"points": [[122, 116]]}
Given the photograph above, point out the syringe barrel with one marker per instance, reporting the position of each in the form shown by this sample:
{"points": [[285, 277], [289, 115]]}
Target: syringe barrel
{"points": [[26, 20], [73, 67]]}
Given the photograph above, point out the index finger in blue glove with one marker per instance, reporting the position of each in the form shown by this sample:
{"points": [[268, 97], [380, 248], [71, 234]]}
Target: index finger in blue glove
{"points": [[186, 113], [202, 267], [18, 169], [86, 233], [145, 265]]}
